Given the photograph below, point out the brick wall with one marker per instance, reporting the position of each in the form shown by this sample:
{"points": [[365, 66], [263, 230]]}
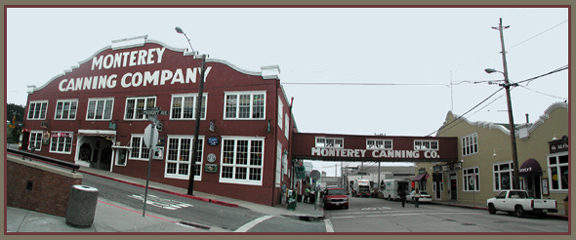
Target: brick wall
{"points": [[39, 187]]}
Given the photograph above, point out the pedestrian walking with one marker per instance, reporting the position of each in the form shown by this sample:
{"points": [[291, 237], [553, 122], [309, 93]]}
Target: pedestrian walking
{"points": [[417, 198], [402, 194]]}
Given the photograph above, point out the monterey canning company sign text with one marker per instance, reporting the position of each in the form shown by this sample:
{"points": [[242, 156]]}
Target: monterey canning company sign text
{"points": [[376, 153], [131, 79]]}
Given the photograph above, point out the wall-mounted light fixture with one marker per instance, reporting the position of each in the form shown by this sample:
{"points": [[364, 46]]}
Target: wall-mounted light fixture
{"points": [[494, 155]]}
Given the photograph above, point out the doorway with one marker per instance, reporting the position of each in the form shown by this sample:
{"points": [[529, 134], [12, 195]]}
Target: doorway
{"points": [[532, 186], [453, 187]]}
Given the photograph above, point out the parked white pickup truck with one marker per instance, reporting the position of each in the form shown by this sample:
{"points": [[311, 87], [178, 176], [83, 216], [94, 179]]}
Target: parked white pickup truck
{"points": [[517, 202]]}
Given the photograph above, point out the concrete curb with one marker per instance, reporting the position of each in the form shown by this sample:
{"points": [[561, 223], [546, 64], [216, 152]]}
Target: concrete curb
{"points": [[166, 191]]}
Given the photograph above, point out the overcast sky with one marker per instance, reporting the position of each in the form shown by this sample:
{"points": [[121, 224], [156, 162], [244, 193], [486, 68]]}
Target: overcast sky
{"points": [[393, 71]]}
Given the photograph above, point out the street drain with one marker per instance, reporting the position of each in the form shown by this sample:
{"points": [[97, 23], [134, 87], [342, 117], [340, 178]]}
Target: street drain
{"points": [[450, 220], [194, 225], [468, 224], [500, 221]]}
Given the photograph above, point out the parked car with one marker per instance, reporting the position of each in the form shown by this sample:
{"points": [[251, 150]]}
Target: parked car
{"points": [[517, 202], [335, 197], [424, 197]]}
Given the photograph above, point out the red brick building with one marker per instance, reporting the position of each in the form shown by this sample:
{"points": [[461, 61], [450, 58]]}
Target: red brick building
{"points": [[94, 116]]}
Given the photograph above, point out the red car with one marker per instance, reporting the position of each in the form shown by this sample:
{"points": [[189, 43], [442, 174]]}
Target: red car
{"points": [[335, 197]]}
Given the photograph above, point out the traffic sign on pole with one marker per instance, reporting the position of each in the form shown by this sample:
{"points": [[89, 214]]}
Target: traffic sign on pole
{"points": [[150, 136]]}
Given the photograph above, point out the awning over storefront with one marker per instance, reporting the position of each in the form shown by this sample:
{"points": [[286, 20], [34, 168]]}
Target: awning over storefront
{"points": [[530, 167], [420, 177]]}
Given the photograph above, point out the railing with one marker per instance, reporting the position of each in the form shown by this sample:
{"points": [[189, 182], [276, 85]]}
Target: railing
{"points": [[44, 159]]}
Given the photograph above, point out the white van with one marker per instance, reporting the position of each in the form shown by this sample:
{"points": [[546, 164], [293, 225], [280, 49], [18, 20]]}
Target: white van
{"points": [[391, 186]]}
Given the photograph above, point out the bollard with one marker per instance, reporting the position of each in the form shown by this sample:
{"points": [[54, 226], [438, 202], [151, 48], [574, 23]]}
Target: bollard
{"points": [[81, 206]]}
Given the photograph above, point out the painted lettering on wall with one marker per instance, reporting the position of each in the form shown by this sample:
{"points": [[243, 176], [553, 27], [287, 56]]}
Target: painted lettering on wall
{"points": [[362, 153], [132, 79]]}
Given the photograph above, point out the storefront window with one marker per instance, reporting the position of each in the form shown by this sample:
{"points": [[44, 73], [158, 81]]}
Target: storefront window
{"points": [[558, 169], [242, 161], [471, 179], [180, 155], [61, 142], [503, 176]]}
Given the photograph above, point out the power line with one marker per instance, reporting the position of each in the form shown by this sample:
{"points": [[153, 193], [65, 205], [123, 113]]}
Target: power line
{"points": [[458, 118], [369, 84], [549, 95], [539, 34], [545, 74]]}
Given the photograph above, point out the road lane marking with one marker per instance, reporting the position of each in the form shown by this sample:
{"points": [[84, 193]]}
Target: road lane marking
{"points": [[161, 202], [251, 224], [329, 227]]}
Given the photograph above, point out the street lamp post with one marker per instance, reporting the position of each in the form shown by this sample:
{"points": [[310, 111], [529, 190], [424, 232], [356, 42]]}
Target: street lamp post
{"points": [[197, 114], [507, 85]]}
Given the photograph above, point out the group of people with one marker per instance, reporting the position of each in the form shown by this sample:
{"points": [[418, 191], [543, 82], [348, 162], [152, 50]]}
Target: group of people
{"points": [[402, 193]]}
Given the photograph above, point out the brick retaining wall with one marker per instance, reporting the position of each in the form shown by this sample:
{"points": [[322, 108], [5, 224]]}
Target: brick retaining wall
{"points": [[38, 186]]}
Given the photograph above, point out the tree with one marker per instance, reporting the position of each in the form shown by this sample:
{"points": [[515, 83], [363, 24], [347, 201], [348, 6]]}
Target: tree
{"points": [[15, 118]]}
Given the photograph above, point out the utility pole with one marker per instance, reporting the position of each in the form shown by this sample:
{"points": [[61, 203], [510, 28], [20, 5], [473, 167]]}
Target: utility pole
{"points": [[507, 85], [197, 115]]}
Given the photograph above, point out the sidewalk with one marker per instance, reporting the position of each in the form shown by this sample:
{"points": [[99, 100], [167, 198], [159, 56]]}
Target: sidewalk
{"points": [[112, 217], [482, 205]]}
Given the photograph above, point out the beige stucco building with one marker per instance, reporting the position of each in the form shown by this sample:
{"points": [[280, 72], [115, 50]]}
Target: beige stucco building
{"points": [[485, 159]]}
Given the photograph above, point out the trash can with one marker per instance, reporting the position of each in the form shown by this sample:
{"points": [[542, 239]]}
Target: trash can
{"points": [[291, 200], [81, 206]]}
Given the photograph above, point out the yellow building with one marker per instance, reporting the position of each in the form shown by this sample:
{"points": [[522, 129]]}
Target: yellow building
{"points": [[485, 166]]}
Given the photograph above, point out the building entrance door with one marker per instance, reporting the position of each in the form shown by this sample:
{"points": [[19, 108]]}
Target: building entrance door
{"points": [[438, 187], [453, 187]]}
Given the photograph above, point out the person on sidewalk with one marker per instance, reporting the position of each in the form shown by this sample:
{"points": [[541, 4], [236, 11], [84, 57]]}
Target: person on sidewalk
{"points": [[417, 198], [402, 194], [307, 195]]}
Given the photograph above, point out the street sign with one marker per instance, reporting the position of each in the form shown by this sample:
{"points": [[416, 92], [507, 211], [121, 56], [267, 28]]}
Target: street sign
{"points": [[151, 112], [163, 112], [153, 119], [150, 136]]}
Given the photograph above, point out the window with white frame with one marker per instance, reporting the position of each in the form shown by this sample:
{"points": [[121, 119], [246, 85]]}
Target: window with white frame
{"points": [[179, 155], [66, 109], [135, 107], [139, 149], [242, 160], [37, 110], [35, 140], [425, 144], [286, 126], [61, 142], [503, 175], [470, 144], [379, 144], [184, 106], [325, 142], [243, 105], [471, 179], [558, 171], [280, 111], [100, 109]]}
